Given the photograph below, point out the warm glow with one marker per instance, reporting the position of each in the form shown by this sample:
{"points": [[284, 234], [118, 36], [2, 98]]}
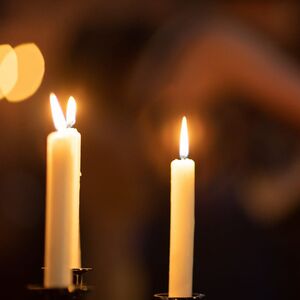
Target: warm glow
{"points": [[57, 114], [8, 69], [31, 69], [184, 140], [71, 112]]}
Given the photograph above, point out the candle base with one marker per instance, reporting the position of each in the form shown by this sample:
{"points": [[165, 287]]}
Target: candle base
{"points": [[165, 296], [76, 291]]}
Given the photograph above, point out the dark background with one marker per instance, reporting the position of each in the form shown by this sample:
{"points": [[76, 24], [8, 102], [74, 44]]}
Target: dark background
{"points": [[135, 68]]}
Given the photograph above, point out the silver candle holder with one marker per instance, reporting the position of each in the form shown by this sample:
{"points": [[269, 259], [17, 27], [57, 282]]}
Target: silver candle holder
{"points": [[78, 290]]}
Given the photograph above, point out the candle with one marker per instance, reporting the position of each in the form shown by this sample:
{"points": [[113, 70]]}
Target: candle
{"points": [[182, 220], [62, 245]]}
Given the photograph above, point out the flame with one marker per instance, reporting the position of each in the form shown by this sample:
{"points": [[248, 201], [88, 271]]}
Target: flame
{"points": [[57, 114], [184, 140], [71, 112]]}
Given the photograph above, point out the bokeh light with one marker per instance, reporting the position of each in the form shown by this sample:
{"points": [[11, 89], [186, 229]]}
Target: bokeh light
{"points": [[31, 69], [8, 69]]}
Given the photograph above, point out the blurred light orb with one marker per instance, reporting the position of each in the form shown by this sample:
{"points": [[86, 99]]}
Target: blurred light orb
{"points": [[31, 69], [8, 69]]}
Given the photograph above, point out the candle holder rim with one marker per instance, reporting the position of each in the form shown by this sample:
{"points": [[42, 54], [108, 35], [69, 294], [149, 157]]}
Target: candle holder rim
{"points": [[81, 270], [76, 269], [58, 290], [166, 296]]}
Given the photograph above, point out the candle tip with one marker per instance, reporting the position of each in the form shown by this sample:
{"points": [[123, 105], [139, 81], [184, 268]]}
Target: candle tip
{"points": [[71, 112], [57, 114], [184, 140]]}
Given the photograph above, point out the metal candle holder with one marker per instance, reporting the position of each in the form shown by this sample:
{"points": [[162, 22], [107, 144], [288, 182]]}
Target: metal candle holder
{"points": [[77, 291], [165, 296]]}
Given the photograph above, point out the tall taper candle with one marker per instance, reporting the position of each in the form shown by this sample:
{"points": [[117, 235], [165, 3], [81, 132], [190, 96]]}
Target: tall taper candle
{"points": [[182, 220], [62, 250]]}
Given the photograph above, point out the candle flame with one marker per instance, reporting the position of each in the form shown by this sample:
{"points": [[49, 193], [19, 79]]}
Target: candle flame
{"points": [[71, 112], [57, 114], [184, 140]]}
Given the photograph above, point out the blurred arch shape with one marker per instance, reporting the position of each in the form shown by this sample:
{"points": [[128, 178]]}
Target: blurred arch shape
{"points": [[8, 69], [30, 72]]}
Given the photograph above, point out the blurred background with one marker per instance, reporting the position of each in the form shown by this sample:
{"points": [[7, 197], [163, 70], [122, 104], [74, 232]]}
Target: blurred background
{"points": [[135, 68]]}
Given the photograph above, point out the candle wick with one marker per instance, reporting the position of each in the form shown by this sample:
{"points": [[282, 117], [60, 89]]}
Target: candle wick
{"points": [[70, 125]]}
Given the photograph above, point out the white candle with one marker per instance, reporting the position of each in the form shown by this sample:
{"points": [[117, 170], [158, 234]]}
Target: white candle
{"points": [[62, 245], [182, 220]]}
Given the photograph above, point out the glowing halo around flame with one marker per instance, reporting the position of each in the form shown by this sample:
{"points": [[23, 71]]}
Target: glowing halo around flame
{"points": [[21, 71]]}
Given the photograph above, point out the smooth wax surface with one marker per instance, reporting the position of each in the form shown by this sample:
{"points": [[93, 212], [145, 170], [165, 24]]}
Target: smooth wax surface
{"points": [[62, 245], [182, 228]]}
